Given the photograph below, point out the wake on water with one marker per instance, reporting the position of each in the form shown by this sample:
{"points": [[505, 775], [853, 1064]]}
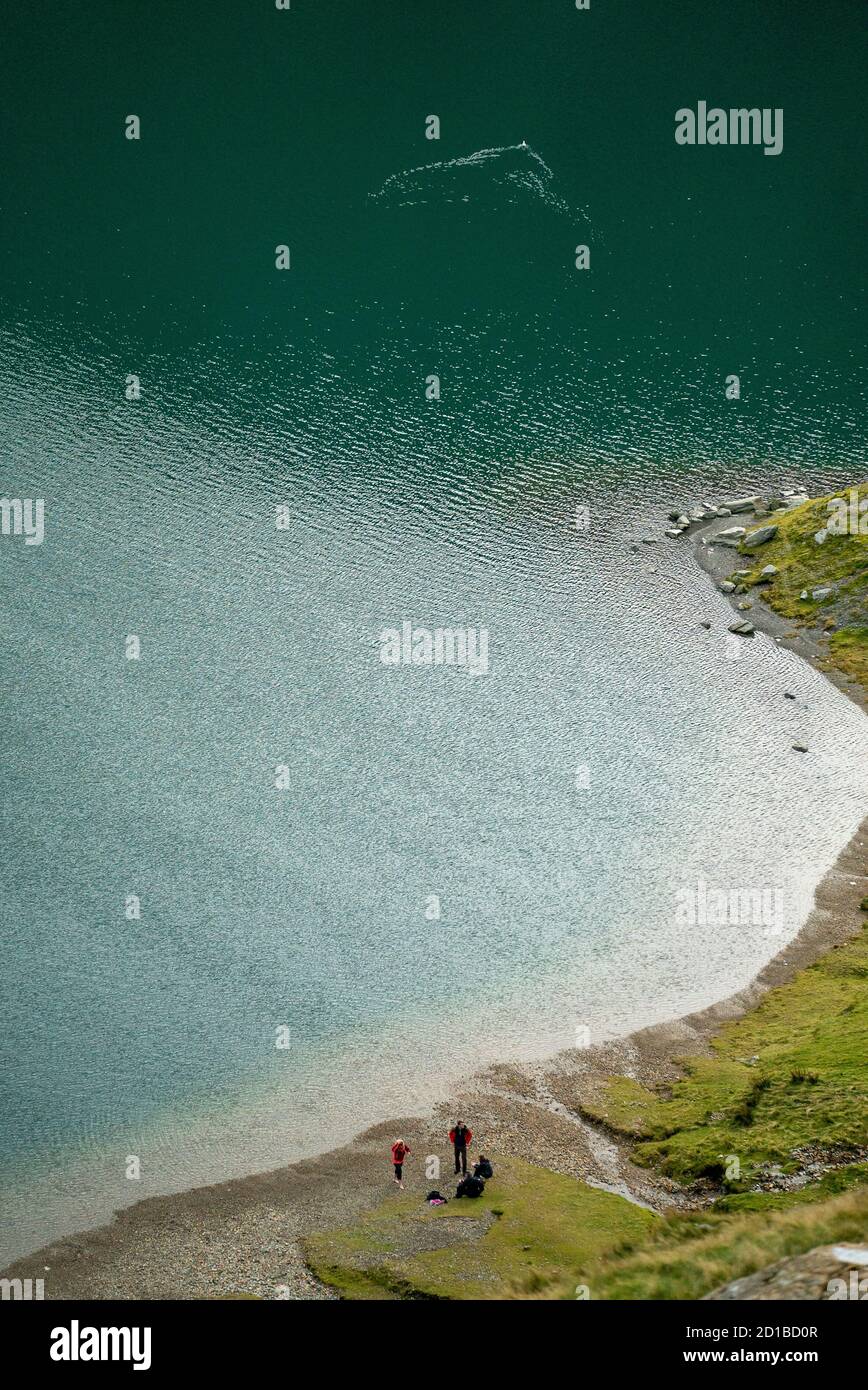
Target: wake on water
{"points": [[511, 167]]}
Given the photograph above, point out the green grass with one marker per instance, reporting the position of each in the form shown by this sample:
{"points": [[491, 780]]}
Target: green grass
{"points": [[849, 651], [687, 1256], [809, 1082], [541, 1224], [803, 565]]}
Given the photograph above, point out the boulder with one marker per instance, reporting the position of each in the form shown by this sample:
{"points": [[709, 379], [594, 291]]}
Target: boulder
{"points": [[742, 628], [826, 1273], [821, 536], [727, 587], [760, 537], [800, 748], [768, 572], [743, 504], [818, 595], [731, 535]]}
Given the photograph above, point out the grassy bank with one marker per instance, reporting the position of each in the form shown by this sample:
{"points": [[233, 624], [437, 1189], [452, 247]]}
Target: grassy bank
{"points": [[537, 1234], [789, 1074], [782, 1098], [528, 1227], [819, 584]]}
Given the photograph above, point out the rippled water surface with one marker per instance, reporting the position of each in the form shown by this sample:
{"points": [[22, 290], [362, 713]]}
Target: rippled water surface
{"points": [[305, 907], [613, 753]]}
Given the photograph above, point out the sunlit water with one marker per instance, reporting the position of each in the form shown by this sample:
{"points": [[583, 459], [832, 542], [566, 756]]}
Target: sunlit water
{"points": [[309, 908]]}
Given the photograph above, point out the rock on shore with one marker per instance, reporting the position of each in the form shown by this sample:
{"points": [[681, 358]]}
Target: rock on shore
{"points": [[828, 1272]]}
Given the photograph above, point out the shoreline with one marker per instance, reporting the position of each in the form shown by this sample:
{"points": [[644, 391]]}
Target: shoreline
{"points": [[243, 1236], [718, 562]]}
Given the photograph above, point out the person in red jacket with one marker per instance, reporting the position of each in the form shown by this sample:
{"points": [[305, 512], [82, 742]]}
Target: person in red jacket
{"points": [[400, 1151], [459, 1138]]}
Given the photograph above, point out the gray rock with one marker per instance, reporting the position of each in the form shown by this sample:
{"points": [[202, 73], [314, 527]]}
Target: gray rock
{"points": [[731, 536], [743, 504], [760, 537], [768, 572], [727, 587], [800, 747], [742, 628], [724, 511], [819, 594], [821, 536], [673, 532], [707, 626]]}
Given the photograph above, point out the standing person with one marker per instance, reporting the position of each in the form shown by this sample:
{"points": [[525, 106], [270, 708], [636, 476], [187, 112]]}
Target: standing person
{"points": [[460, 1137], [400, 1151]]}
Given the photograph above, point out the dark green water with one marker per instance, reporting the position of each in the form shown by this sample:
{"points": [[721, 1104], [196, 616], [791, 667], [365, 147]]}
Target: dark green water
{"points": [[306, 389]]}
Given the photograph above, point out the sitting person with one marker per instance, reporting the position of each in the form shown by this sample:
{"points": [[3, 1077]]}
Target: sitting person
{"points": [[470, 1186], [483, 1168]]}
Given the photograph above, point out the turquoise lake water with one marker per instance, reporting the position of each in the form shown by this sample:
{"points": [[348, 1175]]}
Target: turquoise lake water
{"points": [[307, 907]]}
